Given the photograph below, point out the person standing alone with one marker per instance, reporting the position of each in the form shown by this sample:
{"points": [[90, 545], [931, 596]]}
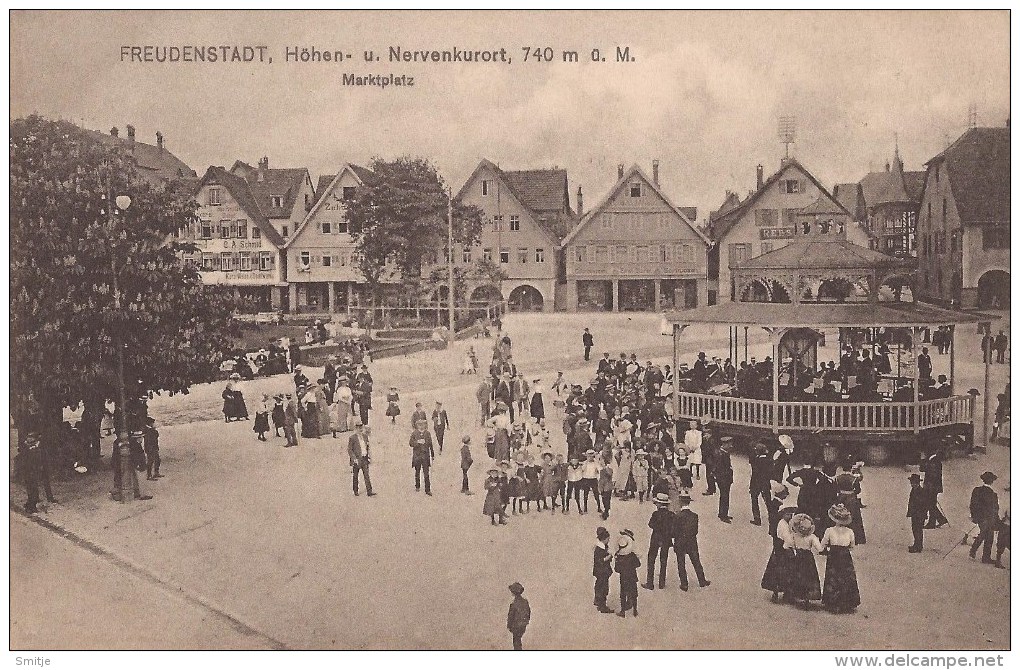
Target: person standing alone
{"points": [[440, 422], [421, 455], [357, 449], [984, 511], [519, 616], [588, 341]]}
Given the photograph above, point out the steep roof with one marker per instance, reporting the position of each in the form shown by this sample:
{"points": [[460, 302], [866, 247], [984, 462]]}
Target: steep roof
{"points": [[823, 252], [544, 193], [154, 163], [848, 196], [823, 205], [725, 221], [240, 190], [978, 168], [269, 182], [690, 212], [914, 181], [620, 184], [327, 183]]}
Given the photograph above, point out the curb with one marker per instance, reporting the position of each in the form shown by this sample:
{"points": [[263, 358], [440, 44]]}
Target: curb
{"points": [[148, 576]]}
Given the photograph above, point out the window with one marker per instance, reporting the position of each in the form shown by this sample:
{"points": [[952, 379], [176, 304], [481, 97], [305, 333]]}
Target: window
{"points": [[497, 223], [687, 253], [225, 229], [791, 185], [327, 261], [515, 223], [341, 259], [209, 262], [522, 255], [256, 233], [579, 254], [504, 255], [766, 217], [621, 254], [206, 229], [486, 186], [343, 227], [214, 196], [739, 253], [766, 247], [226, 261], [348, 193], [265, 261], [642, 254], [540, 255], [326, 227], [284, 231], [487, 255], [995, 238], [665, 253], [305, 259], [601, 254], [789, 217], [242, 229], [245, 261], [277, 201], [635, 190]]}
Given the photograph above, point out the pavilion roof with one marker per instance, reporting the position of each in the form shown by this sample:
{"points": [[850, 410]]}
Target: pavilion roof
{"points": [[850, 315], [821, 252]]}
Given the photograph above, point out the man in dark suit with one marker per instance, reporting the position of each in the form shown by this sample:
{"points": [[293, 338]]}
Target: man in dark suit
{"points": [[440, 422], [984, 511], [357, 449], [661, 523], [931, 466], [761, 476], [724, 477], [421, 455], [806, 479], [588, 341], [917, 512], [607, 364], [504, 393], [685, 543], [924, 365], [709, 453], [602, 570], [519, 615]]}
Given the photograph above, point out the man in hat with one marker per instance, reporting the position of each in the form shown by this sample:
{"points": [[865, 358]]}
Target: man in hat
{"points": [[917, 512], [465, 462], [150, 440], [607, 364], [484, 396], [984, 511], [685, 543], [421, 455], [290, 419], [299, 377], [931, 466], [602, 570], [724, 477], [357, 449], [440, 422], [661, 523], [588, 342], [627, 564], [709, 454], [31, 456], [761, 477], [590, 479], [519, 616]]}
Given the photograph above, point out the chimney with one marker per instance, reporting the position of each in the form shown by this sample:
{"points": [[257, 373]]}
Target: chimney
{"points": [[655, 172], [580, 202], [263, 167], [131, 133], [619, 171], [159, 140], [115, 133], [761, 176]]}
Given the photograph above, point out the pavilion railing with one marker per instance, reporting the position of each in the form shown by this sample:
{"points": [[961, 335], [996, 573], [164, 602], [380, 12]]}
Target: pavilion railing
{"points": [[880, 416]]}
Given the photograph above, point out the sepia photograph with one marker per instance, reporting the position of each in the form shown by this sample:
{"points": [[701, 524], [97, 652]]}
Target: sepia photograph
{"points": [[480, 330]]}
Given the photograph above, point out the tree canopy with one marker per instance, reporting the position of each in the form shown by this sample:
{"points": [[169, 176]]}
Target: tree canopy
{"points": [[400, 218], [66, 249]]}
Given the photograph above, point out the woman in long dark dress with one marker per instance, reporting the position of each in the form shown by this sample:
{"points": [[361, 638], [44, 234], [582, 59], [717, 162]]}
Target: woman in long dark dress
{"points": [[840, 593], [803, 585], [776, 577]]}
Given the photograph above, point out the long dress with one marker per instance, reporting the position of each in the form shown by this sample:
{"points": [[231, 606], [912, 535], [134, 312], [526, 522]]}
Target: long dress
{"points": [[493, 497], [803, 572], [323, 411], [776, 572], [621, 473], [840, 592], [342, 409], [853, 503], [549, 484], [501, 445], [537, 405], [310, 420], [262, 418]]}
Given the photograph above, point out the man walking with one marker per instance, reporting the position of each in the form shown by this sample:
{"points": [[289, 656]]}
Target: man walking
{"points": [[761, 477], [421, 452], [602, 570], [1000, 344], [465, 463], [588, 341], [519, 616], [290, 419], [661, 523], [484, 397], [984, 511], [440, 422], [357, 449], [685, 543], [724, 478], [931, 466], [917, 512]]}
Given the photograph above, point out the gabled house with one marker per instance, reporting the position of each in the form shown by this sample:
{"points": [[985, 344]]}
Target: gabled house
{"points": [[154, 163], [891, 199], [636, 250], [238, 246], [321, 270], [963, 229], [526, 214], [772, 215], [284, 194]]}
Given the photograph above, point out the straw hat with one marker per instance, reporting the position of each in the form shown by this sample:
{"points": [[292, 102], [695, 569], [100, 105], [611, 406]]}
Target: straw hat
{"points": [[661, 499], [802, 524], [840, 515]]}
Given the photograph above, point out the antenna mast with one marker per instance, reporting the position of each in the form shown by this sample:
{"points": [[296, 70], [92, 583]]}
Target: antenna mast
{"points": [[787, 132]]}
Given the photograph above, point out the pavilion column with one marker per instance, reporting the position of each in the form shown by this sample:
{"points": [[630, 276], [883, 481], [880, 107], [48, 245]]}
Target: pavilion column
{"points": [[658, 293], [952, 360], [987, 356], [331, 296], [616, 295], [677, 329], [915, 334], [775, 335], [350, 295]]}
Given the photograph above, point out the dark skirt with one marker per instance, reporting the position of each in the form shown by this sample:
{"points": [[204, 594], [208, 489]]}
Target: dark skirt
{"points": [[841, 591], [803, 576], [261, 422], [777, 571], [393, 409]]}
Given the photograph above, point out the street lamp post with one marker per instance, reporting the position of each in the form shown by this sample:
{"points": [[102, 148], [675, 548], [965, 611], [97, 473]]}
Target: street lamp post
{"points": [[449, 242]]}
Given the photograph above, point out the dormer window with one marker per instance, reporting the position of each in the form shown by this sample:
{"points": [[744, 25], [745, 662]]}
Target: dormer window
{"points": [[214, 196], [792, 185], [277, 201], [348, 193], [635, 190], [486, 186]]}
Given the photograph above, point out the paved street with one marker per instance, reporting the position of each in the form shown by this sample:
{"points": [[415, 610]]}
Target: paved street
{"points": [[273, 537]]}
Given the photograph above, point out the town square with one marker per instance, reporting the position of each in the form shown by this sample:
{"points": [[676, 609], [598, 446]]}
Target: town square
{"points": [[416, 396]]}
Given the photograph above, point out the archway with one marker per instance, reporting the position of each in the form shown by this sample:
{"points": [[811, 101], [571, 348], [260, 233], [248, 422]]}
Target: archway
{"points": [[765, 290], [993, 290], [484, 296], [525, 298]]}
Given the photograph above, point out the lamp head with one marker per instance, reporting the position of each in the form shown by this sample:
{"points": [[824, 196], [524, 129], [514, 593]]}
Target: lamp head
{"points": [[123, 201]]}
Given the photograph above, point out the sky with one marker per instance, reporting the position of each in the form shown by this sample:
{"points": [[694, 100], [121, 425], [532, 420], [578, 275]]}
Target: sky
{"points": [[703, 93]]}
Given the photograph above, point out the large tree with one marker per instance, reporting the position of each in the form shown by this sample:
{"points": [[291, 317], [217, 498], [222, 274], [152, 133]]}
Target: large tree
{"points": [[69, 251], [400, 217]]}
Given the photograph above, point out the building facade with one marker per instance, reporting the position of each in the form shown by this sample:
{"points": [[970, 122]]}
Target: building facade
{"points": [[891, 200], [525, 215], [285, 195], [322, 273], [237, 245], [635, 251], [768, 219], [963, 233]]}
